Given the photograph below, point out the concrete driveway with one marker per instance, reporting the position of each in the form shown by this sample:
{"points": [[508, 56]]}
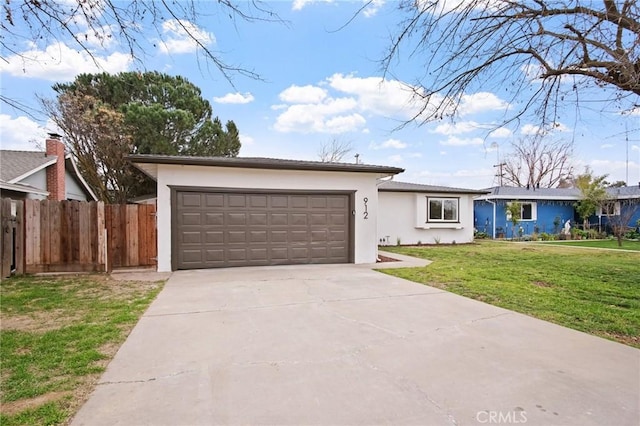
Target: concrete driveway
{"points": [[345, 345]]}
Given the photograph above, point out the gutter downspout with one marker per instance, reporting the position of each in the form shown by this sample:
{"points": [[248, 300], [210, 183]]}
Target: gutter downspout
{"points": [[493, 231]]}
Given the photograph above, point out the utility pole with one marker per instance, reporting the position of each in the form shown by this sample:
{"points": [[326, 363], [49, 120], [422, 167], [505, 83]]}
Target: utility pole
{"points": [[500, 173]]}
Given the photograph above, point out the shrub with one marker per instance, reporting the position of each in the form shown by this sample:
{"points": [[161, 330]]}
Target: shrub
{"points": [[481, 235]]}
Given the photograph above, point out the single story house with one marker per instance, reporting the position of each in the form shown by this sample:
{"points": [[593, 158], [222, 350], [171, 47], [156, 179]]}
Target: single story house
{"points": [[50, 175], [410, 213], [545, 209], [220, 212]]}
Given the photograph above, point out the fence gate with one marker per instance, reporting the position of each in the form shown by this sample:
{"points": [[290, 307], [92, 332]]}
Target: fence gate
{"points": [[74, 236]]}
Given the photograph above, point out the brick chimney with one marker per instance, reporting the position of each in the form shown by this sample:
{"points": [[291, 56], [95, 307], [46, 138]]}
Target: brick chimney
{"points": [[55, 172]]}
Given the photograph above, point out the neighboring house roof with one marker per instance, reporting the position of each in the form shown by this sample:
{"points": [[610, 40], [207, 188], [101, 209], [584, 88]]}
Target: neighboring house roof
{"points": [[569, 194], [258, 163], [17, 165], [394, 186], [18, 187]]}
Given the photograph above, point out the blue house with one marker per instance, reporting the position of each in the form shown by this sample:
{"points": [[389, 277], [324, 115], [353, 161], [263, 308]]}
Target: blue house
{"points": [[547, 209]]}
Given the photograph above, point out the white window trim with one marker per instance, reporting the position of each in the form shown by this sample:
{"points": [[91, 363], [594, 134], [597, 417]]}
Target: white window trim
{"points": [[444, 221], [616, 210], [534, 211]]}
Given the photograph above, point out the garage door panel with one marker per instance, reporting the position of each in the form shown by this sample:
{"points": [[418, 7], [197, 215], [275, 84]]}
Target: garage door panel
{"points": [[258, 201], [242, 229], [258, 236], [279, 253], [214, 237], [237, 237], [193, 237], [299, 252], [214, 200], [236, 219], [214, 218], [278, 236], [259, 219], [279, 219], [191, 200], [298, 219], [319, 202]]}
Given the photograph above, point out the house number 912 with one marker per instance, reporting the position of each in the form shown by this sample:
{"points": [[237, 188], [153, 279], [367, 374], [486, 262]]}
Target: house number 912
{"points": [[365, 213]]}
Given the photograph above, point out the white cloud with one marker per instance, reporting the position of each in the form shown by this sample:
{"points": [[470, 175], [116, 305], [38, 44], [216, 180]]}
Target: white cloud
{"points": [[373, 7], [60, 63], [501, 132], [387, 98], [180, 37], [607, 145], [23, 134], [303, 94], [454, 141], [344, 123], [299, 4], [246, 139], [530, 129], [480, 102], [330, 116], [415, 155], [458, 128], [234, 98], [389, 143], [635, 148], [395, 159]]}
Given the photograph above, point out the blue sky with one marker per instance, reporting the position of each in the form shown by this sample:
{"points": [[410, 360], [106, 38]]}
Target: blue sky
{"points": [[322, 81]]}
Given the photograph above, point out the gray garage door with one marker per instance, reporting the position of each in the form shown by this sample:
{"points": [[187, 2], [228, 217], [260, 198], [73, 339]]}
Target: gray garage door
{"points": [[220, 229]]}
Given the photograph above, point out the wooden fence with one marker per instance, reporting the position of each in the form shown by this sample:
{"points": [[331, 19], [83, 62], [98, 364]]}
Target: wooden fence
{"points": [[74, 236]]}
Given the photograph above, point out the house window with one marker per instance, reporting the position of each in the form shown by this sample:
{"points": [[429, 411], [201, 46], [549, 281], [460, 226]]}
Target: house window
{"points": [[610, 209], [528, 211], [442, 209]]}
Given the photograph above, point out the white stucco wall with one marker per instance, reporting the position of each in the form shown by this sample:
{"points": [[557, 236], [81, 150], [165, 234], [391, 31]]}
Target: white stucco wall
{"points": [[228, 177], [402, 215]]}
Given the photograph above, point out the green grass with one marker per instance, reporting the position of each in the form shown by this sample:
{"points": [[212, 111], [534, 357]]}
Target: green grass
{"points": [[597, 292], [58, 334], [608, 244]]}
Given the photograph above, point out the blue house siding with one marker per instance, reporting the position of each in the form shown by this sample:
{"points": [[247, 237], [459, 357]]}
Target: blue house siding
{"points": [[625, 207], [543, 221]]}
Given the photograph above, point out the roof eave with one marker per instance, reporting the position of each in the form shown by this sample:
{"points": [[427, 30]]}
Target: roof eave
{"points": [[251, 164]]}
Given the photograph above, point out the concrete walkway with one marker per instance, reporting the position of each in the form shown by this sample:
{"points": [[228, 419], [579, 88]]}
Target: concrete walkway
{"points": [[346, 345]]}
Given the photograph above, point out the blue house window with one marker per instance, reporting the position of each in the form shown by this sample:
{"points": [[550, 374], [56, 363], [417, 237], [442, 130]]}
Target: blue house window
{"points": [[528, 211], [442, 209]]}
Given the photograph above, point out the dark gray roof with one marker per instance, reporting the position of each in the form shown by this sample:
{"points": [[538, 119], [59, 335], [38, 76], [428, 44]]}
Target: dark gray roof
{"points": [[517, 193], [625, 192], [394, 186], [14, 164], [262, 163]]}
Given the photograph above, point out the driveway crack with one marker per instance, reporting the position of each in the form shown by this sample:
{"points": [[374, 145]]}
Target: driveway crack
{"points": [[151, 379]]}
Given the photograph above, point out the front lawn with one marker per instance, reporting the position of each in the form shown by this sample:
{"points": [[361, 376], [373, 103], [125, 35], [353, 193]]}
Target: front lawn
{"points": [[595, 292], [58, 334], [608, 244]]}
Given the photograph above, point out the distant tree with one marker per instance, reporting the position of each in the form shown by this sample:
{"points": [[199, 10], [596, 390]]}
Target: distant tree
{"points": [[620, 222], [334, 150], [537, 161], [514, 214], [97, 137], [150, 113], [545, 50], [616, 184], [164, 114], [593, 194]]}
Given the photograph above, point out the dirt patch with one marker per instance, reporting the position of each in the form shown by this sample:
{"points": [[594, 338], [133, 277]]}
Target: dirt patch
{"points": [[14, 407], [542, 284], [39, 321], [382, 259], [624, 338]]}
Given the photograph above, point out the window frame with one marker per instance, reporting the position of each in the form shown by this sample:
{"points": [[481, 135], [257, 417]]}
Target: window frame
{"points": [[442, 209], [534, 211], [609, 209]]}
